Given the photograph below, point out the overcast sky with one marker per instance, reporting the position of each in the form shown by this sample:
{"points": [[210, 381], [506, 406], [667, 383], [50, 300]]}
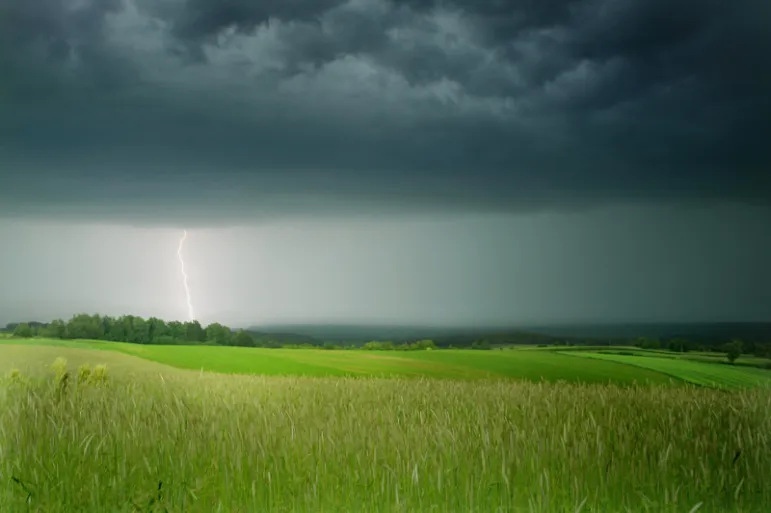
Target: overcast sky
{"points": [[467, 161]]}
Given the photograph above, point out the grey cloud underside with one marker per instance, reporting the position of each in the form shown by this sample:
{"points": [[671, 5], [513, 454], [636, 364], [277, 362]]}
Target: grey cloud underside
{"points": [[274, 108]]}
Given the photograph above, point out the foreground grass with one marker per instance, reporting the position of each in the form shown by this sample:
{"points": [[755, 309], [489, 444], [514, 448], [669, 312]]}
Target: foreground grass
{"points": [[699, 373], [185, 441], [456, 364]]}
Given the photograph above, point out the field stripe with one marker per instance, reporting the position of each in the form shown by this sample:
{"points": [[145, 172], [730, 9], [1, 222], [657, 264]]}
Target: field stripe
{"points": [[698, 373]]}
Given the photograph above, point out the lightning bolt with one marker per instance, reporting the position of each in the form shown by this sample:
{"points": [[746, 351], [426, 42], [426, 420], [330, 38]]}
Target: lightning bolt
{"points": [[190, 313]]}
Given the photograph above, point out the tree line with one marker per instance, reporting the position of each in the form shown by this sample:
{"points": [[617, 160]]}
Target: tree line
{"points": [[137, 330], [134, 329]]}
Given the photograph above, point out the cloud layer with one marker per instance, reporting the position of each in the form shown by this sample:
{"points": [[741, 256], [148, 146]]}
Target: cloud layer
{"points": [[232, 110]]}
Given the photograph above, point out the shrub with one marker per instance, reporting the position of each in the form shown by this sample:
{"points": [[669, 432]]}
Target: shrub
{"points": [[481, 344], [98, 375], [59, 367], [425, 344], [23, 330], [732, 350], [165, 340], [84, 374]]}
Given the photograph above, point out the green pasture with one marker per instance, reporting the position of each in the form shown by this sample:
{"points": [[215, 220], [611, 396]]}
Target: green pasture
{"points": [[696, 372], [590, 365], [459, 364], [154, 438]]}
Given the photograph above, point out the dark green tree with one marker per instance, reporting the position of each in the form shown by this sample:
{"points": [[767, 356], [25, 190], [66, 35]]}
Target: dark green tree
{"points": [[158, 330], [194, 332], [22, 330], [108, 327], [55, 329], [126, 329], [140, 331], [166, 340], [243, 339], [218, 334], [425, 344], [481, 344], [117, 330], [176, 330], [733, 350], [85, 326]]}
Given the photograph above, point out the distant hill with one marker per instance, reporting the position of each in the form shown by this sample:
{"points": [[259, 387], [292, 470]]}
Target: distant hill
{"points": [[264, 339], [354, 332], [709, 333], [443, 337], [698, 332]]}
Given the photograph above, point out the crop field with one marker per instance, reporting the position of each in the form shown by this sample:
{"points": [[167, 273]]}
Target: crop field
{"points": [[460, 364], [699, 373], [599, 365], [575, 434], [156, 438], [696, 356]]}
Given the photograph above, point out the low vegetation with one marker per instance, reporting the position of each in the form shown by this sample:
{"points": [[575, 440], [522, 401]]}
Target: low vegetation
{"points": [[598, 365], [456, 364], [154, 331], [190, 441], [698, 373]]}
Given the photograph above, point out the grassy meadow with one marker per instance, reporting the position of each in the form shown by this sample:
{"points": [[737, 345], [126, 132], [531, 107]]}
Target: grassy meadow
{"points": [[574, 434], [459, 364], [600, 365], [696, 356], [699, 373]]}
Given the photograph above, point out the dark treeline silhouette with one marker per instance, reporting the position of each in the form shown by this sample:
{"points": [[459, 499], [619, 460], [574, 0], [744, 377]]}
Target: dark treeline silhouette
{"points": [[134, 329], [732, 347], [137, 330]]}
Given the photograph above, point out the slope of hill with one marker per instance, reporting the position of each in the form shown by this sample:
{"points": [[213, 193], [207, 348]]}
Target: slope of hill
{"points": [[697, 332], [444, 337], [707, 333]]}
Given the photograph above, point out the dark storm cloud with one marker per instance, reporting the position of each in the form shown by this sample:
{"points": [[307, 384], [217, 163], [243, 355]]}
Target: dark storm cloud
{"points": [[159, 109]]}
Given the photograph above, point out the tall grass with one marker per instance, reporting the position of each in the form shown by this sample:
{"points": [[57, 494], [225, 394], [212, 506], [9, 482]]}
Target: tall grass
{"points": [[203, 442]]}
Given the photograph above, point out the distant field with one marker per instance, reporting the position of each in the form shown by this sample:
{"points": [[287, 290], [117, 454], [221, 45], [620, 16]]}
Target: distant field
{"points": [[599, 365], [35, 360], [461, 364], [696, 356], [744, 360], [699, 373]]}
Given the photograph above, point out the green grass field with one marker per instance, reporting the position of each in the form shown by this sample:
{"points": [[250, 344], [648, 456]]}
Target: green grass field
{"points": [[696, 356], [264, 443], [573, 434], [699, 373], [462, 364], [598, 365]]}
